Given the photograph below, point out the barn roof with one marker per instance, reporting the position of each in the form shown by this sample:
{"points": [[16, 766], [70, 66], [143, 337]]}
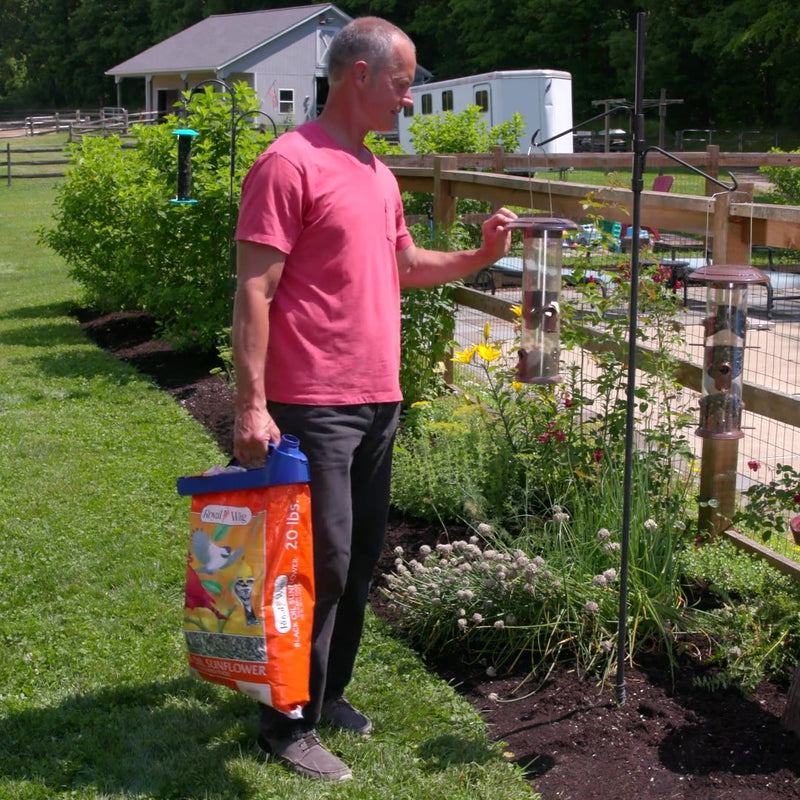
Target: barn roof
{"points": [[219, 40]]}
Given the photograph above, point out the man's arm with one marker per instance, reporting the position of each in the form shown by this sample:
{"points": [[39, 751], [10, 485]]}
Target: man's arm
{"points": [[420, 268], [258, 270]]}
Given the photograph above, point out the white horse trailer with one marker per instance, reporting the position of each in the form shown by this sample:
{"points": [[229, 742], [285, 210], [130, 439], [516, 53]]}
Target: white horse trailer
{"points": [[542, 96]]}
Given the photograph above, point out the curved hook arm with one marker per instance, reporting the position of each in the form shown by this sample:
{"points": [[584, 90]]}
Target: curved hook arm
{"points": [[218, 81], [245, 114], [574, 128], [697, 171]]}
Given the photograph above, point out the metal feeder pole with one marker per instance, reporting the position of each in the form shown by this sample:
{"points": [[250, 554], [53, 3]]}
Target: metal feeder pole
{"points": [[637, 181], [640, 151]]}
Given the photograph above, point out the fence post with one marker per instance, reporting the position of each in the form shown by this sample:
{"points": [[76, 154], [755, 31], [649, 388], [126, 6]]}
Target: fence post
{"points": [[731, 243], [497, 159], [444, 202], [719, 457], [8, 163]]}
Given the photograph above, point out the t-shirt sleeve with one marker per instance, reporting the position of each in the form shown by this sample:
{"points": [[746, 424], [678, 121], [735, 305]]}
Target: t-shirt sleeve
{"points": [[271, 205], [404, 238]]}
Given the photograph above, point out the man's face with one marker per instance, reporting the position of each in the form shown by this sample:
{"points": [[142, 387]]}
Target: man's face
{"points": [[389, 90]]}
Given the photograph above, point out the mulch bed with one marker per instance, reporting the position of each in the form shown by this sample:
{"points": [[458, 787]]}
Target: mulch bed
{"points": [[669, 739]]}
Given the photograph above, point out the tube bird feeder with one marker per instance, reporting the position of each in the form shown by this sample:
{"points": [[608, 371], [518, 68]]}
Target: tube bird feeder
{"points": [[540, 346], [724, 327], [184, 191], [721, 406]]}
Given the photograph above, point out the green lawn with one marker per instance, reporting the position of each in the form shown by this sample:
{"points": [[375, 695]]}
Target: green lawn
{"points": [[96, 700]]}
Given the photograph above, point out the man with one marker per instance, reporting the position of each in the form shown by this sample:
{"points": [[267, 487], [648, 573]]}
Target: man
{"points": [[323, 251]]}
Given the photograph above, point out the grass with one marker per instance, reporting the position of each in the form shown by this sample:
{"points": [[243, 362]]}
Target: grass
{"points": [[95, 700]]}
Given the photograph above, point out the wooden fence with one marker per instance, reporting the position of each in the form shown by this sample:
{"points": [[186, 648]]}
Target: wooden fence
{"points": [[729, 221], [33, 162]]}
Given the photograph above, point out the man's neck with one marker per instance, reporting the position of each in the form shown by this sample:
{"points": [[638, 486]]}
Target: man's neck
{"points": [[343, 132]]}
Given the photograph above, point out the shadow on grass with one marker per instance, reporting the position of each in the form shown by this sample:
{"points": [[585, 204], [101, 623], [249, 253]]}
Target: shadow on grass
{"points": [[160, 740], [45, 334], [445, 751], [64, 308]]}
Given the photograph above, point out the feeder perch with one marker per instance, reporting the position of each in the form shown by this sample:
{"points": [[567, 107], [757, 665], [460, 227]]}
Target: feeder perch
{"points": [[725, 324], [185, 137], [540, 350]]}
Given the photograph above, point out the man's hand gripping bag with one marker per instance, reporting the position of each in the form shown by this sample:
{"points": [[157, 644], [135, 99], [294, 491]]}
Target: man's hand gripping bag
{"points": [[250, 579]]}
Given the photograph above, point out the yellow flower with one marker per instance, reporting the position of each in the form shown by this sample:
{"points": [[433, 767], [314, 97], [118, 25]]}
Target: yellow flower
{"points": [[516, 310], [464, 356], [488, 352], [420, 403], [486, 331], [517, 385]]}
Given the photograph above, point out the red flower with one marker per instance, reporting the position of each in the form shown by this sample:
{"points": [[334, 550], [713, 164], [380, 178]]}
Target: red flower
{"points": [[559, 434], [598, 454], [754, 465], [797, 499], [544, 437]]}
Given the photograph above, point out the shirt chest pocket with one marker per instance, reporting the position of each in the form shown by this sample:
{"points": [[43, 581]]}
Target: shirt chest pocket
{"points": [[390, 222]]}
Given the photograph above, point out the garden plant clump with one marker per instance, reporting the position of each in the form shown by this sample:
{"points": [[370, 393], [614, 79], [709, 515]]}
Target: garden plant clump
{"points": [[535, 472]]}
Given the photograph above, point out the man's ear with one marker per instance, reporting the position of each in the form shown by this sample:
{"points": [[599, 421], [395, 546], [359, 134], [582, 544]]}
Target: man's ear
{"points": [[360, 72]]}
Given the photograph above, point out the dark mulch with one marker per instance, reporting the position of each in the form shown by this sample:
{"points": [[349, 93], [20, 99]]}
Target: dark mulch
{"points": [[669, 739]]}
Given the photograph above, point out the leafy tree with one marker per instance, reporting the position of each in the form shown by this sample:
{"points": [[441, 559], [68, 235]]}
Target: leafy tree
{"points": [[129, 247]]}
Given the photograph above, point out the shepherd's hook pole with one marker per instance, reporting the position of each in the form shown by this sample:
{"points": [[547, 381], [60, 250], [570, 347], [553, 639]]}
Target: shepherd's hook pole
{"points": [[636, 186]]}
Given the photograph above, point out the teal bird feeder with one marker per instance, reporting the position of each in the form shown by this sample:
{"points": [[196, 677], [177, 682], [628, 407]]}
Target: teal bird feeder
{"points": [[185, 138]]}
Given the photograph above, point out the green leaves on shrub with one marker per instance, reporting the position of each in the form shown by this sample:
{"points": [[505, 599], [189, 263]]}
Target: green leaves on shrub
{"points": [[129, 247], [465, 132]]}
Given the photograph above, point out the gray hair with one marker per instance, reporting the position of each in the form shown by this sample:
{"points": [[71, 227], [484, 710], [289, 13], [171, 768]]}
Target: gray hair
{"points": [[369, 39]]}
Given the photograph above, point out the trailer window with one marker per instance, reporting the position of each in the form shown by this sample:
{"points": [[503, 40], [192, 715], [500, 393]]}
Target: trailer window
{"points": [[408, 111], [482, 100], [426, 103], [447, 100]]}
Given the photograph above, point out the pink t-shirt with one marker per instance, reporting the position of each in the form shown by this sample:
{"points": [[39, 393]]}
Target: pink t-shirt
{"points": [[335, 318]]}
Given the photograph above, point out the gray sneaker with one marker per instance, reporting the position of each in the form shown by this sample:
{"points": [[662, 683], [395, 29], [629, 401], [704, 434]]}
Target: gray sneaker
{"points": [[340, 714], [307, 756]]}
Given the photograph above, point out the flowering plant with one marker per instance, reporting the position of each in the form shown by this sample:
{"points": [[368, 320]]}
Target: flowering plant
{"points": [[767, 507]]}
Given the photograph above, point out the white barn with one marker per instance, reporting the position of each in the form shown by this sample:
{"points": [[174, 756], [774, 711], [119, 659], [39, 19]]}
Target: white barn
{"points": [[281, 53]]}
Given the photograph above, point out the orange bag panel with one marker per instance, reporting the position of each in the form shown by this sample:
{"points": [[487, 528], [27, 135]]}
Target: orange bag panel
{"points": [[249, 602]]}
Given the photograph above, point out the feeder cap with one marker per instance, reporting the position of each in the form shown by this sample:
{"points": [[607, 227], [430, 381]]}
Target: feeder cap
{"points": [[543, 224], [729, 274], [185, 132]]}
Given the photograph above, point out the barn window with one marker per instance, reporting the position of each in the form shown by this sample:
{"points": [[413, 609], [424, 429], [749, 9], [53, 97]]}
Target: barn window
{"points": [[447, 100], [286, 101], [482, 99], [426, 103]]}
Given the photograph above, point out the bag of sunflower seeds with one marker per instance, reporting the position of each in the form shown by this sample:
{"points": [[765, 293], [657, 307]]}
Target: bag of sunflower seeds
{"points": [[248, 610]]}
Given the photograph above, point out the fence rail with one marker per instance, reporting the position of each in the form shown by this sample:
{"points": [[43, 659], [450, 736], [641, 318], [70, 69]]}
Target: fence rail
{"points": [[77, 123], [728, 224], [18, 164]]}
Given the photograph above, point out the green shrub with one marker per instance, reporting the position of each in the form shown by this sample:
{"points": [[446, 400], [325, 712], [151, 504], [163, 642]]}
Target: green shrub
{"points": [[465, 132], [786, 181], [755, 631], [539, 466], [128, 246]]}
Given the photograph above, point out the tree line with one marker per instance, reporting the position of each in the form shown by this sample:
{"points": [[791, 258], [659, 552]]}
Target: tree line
{"points": [[732, 63]]}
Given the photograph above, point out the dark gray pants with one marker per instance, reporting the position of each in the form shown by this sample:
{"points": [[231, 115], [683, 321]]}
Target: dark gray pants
{"points": [[349, 450]]}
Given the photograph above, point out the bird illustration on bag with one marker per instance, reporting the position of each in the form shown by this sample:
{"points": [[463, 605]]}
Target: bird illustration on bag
{"points": [[243, 589], [211, 556]]}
